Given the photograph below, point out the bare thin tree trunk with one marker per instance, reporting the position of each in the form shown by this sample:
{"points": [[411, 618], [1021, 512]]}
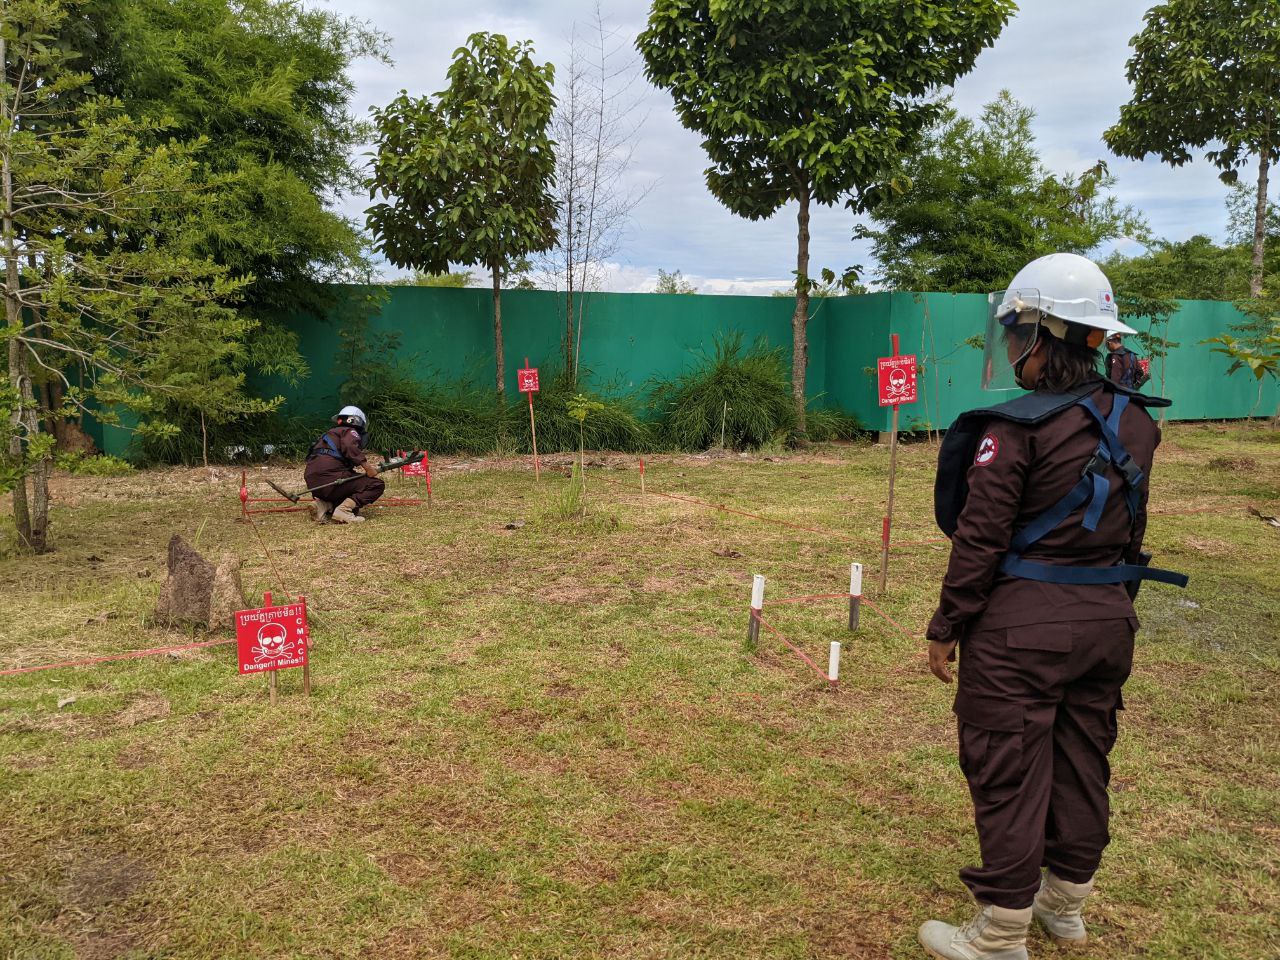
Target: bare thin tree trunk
{"points": [[21, 507], [800, 319], [598, 148], [18, 378], [497, 332], [568, 297], [1260, 222]]}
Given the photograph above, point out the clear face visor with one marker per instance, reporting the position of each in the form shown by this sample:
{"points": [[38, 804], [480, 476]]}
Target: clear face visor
{"points": [[1008, 343]]}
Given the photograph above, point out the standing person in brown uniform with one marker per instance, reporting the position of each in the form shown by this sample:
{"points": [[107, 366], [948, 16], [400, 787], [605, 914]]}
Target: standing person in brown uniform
{"points": [[1044, 499], [1122, 365], [339, 452]]}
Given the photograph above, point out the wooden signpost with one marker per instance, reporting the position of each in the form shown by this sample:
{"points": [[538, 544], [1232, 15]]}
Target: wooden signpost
{"points": [[527, 383], [897, 381], [274, 638]]}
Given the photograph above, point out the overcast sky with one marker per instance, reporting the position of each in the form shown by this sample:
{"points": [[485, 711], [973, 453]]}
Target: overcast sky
{"points": [[1064, 59]]}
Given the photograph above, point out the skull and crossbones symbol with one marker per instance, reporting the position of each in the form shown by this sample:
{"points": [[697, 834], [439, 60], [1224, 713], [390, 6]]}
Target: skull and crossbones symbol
{"points": [[273, 642], [897, 382]]}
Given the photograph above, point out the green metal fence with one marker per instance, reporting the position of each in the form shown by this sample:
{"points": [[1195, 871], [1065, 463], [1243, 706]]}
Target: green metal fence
{"points": [[630, 340]]}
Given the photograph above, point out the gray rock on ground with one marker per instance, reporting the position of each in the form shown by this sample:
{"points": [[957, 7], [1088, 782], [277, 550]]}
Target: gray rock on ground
{"points": [[197, 592], [227, 595]]}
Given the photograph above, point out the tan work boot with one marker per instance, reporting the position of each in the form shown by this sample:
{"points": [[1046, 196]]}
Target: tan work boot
{"points": [[996, 933], [345, 512], [1058, 908], [320, 509]]}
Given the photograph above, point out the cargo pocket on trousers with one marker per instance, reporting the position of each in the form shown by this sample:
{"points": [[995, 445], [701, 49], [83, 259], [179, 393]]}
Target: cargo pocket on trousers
{"points": [[1113, 724], [990, 731]]}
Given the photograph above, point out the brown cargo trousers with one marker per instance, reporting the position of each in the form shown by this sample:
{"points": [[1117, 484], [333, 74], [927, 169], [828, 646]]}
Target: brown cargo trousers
{"points": [[364, 490], [1036, 710]]}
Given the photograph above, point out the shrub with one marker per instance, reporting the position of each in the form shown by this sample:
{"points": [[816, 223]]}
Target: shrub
{"points": [[449, 418], [102, 465], [615, 425], [828, 424], [749, 391], [456, 418], [229, 441]]}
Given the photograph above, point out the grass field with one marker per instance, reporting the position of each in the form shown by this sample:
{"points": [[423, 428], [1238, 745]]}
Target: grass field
{"points": [[548, 741]]}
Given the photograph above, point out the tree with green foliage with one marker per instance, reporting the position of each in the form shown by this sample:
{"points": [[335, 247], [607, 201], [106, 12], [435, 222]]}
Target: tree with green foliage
{"points": [[1260, 355], [420, 278], [465, 176], [1192, 269], [1206, 73], [266, 86], [673, 283], [981, 204], [812, 101], [107, 291]]}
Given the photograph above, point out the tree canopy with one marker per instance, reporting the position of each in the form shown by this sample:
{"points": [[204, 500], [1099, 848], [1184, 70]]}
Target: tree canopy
{"points": [[266, 84], [108, 296], [809, 100], [673, 282], [977, 204], [1206, 75], [465, 176], [1193, 269]]}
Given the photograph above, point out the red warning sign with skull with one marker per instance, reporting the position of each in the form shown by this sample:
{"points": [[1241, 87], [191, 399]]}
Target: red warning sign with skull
{"points": [[897, 380], [272, 638]]}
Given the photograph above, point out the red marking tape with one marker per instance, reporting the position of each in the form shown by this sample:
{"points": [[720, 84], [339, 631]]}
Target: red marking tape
{"points": [[755, 615], [152, 652]]}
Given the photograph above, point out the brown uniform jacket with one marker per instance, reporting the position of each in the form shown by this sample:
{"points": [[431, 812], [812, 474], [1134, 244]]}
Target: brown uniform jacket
{"points": [[1122, 363], [1020, 471], [347, 440]]}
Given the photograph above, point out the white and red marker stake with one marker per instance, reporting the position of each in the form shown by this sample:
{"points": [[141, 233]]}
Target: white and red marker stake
{"points": [[757, 607], [855, 595]]}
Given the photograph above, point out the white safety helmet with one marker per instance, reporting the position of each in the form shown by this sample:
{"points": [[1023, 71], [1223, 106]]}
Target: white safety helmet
{"points": [[354, 412], [1063, 293], [1064, 288]]}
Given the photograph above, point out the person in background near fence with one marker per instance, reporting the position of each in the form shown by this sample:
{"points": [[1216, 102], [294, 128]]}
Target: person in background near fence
{"points": [[338, 452], [1044, 499], [1122, 364]]}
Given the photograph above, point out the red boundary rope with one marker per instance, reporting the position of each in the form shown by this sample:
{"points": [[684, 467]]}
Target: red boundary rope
{"points": [[844, 596], [755, 615], [132, 655], [764, 519]]}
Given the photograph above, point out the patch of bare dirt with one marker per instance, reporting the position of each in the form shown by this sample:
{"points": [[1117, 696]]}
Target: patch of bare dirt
{"points": [[464, 648], [1212, 546], [143, 708], [1234, 464], [575, 593], [95, 881], [135, 756], [94, 878]]}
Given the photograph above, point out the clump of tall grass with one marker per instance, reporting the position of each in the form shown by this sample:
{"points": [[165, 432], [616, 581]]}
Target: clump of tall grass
{"points": [[615, 425], [451, 417], [734, 397], [828, 424]]}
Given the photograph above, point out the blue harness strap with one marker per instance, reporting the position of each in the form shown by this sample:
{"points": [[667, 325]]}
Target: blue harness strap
{"points": [[1092, 489], [330, 449]]}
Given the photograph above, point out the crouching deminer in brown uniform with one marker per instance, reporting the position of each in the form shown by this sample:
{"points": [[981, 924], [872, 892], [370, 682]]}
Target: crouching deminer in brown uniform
{"points": [[339, 452], [1044, 498]]}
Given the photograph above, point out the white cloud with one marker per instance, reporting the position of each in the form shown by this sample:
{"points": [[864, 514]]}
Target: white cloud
{"points": [[1066, 60]]}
